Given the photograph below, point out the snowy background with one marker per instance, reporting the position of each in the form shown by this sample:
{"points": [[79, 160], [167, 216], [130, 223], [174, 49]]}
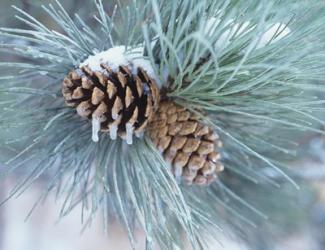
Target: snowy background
{"points": [[42, 230]]}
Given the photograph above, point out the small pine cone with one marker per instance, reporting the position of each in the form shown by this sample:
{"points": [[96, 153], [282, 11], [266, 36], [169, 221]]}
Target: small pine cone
{"points": [[192, 148], [121, 102]]}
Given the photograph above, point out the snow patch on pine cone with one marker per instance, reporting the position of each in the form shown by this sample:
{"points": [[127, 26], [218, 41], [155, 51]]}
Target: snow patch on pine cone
{"points": [[113, 57], [119, 56]]}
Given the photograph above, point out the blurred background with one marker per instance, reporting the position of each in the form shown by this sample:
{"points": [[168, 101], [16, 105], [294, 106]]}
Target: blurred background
{"points": [[303, 230]]}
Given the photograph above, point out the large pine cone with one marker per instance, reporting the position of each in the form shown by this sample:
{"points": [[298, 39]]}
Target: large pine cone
{"points": [[123, 103], [192, 148]]}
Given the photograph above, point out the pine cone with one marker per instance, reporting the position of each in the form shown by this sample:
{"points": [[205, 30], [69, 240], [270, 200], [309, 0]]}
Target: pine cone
{"points": [[191, 147], [121, 102]]}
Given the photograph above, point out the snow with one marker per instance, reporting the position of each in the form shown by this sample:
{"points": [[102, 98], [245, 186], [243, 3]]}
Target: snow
{"points": [[178, 170], [211, 25], [113, 132], [96, 128], [225, 37], [113, 57], [278, 29], [114, 115], [146, 65], [118, 56], [139, 134], [129, 133]]}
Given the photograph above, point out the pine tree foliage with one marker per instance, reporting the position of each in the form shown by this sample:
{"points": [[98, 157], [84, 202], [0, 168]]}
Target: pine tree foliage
{"points": [[258, 92]]}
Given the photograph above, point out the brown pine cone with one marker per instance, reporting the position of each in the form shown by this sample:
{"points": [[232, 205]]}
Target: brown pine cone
{"points": [[121, 102], [192, 148]]}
